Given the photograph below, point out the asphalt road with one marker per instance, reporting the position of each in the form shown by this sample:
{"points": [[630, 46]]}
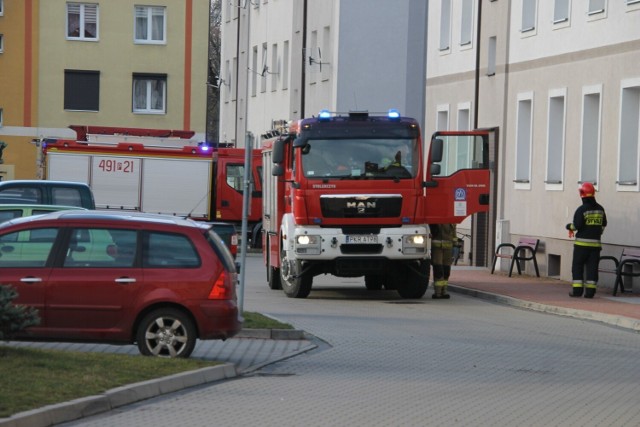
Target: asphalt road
{"points": [[385, 361]]}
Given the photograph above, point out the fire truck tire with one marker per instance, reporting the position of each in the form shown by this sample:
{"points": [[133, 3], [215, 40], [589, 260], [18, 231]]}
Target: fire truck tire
{"points": [[294, 284], [416, 282], [273, 278], [373, 282]]}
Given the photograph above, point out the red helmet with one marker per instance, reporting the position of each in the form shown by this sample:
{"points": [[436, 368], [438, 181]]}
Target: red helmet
{"points": [[587, 190]]}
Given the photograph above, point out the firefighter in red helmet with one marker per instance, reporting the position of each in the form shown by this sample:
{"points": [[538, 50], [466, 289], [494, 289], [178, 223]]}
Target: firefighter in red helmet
{"points": [[588, 224]]}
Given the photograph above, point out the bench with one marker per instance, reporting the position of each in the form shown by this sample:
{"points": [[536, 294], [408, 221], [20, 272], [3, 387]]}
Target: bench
{"points": [[628, 257], [524, 250]]}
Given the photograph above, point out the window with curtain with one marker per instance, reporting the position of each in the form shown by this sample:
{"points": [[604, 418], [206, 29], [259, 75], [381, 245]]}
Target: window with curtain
{"points": [[82, 21], [150, 24], [150, 93]]}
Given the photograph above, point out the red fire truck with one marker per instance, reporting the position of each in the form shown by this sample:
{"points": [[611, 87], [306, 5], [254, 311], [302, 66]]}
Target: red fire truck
{"points": [[349, 195], [157, 173]]}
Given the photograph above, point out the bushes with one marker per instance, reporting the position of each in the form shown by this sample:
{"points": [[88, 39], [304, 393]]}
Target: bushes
{"points": [[14, 318]]}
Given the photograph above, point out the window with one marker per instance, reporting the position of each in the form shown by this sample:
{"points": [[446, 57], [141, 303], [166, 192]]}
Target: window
{"points": [[165, 250], [150, 93], [464, 147], [274, 67], [445, 24], [1, 7], [555, 136], [491, 54], [66, 196], [590, 142], [150, 25], [596, 6], [263, 70], [528, 16], [1, 123], [1, 43], [466, 23], [325, 71], [629, 134], [28, 248], [82, 21], [254, 68], [235, 177], [81, 90], [285, 65], [560, 11], [227, 81], [523, 140], [100, 247]]}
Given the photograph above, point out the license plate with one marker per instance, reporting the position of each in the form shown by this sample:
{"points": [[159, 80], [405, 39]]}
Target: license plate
{"points": [[362, 239]]}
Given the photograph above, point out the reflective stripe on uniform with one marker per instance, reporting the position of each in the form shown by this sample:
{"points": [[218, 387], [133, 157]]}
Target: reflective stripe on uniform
{"points": [[577, 284], [592, 243]]}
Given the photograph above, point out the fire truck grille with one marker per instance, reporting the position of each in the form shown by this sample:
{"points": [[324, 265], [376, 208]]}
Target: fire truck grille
{"points": [[361, 206]]}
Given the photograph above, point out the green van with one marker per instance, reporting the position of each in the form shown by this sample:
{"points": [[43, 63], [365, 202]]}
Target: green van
{"points": [[11, 211]]}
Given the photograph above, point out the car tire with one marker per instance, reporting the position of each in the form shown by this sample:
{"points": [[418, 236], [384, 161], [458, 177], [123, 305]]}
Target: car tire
{"points": [[373, 282], [273, 273], [416, 280], [166, 332]]}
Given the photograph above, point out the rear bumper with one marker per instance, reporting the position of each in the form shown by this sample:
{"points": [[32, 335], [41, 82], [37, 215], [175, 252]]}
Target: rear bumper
{"points": [[218, 319]]}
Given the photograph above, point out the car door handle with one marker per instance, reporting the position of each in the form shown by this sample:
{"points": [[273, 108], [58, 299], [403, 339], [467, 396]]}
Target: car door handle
{"points": [[125, 280], [31, 280]]}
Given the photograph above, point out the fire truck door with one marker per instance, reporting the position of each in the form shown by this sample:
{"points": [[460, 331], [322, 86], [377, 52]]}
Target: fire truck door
{"points": [[458, 177]]}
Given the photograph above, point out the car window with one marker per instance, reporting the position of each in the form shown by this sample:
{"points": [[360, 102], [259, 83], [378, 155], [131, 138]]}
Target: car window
{"points": [[27, 248], [100, 248], [10, 214], [169, 250], [66, 196], [24, 194], [221, 250]]}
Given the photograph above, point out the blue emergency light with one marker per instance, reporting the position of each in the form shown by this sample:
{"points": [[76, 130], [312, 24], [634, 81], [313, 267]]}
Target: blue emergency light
{"points": [[325, 115], [393, 114]]}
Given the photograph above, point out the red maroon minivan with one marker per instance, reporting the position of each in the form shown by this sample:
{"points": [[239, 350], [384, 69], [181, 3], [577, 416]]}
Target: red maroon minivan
{"points": [[121, 277]]}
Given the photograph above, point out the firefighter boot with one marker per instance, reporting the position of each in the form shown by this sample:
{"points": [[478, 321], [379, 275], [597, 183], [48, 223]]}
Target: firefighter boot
{"points": [[589, 291], [444, 294], [437, 289], [577, 290]]}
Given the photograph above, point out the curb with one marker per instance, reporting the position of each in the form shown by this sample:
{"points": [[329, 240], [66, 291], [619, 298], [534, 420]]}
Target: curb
{"points": [[618, 321], [116, 397], [273, 334]]}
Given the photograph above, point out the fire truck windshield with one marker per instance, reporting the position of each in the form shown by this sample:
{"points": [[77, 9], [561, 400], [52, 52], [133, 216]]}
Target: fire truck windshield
{"points": [[360, 158]]}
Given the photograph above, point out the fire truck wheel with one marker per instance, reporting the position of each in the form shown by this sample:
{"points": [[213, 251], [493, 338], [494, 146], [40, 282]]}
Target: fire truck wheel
{"points": [[294, 284], [273, 275], [417, 281], [373, 282]]}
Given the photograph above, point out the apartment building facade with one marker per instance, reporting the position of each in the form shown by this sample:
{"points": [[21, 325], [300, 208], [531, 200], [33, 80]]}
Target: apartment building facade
{"points": [[283, 60], [559, 80], [105, 63]]}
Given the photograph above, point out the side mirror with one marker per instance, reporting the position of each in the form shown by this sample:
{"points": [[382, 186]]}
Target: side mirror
{"points": [[435, 170], [277, 170], [437, 146], [278, 151]]}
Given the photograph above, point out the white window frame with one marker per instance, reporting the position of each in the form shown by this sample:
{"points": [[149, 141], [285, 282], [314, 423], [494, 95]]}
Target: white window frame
{"points": [[273, 70], [561, 13], [596, 7], [464, 157], [492, 55], [445, 26], [524, 141], [629, 136], [529, 18], [148, 80], [149, 12], [285, 65], [590, 134], [82, 21], [1, 43], [254, 73], [466, 24], [1, 7], [556, 138]]}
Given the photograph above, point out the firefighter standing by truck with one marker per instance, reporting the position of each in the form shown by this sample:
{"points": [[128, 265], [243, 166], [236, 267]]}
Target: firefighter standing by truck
{"points": [[588, 224], [442, 241]]}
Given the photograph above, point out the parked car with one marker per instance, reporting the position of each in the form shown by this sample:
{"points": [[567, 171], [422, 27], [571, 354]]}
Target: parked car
{"points": [[121, 277], [9, 211], [47, 193]]}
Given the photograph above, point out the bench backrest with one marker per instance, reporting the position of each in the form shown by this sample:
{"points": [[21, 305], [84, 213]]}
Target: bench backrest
{"points": [[529, 241], [632, 253]]}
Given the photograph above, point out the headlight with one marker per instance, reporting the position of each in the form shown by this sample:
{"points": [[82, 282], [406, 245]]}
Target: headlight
{"points": [[308, 244], [414, 244]]}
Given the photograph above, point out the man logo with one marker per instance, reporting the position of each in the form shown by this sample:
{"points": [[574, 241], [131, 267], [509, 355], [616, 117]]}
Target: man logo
{"points": [[361, 207]]}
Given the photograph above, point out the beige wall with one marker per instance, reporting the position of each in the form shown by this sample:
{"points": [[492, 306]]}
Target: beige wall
{"points": [[117, 57]]}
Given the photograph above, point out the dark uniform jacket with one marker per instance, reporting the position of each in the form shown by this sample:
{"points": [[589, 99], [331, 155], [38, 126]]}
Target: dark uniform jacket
{"points": [[589, 221]]}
